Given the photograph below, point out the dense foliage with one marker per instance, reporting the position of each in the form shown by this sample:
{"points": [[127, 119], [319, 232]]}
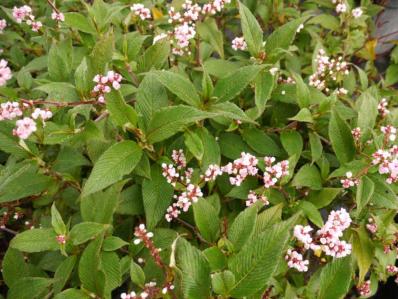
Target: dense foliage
{"points": [[172, 149]]}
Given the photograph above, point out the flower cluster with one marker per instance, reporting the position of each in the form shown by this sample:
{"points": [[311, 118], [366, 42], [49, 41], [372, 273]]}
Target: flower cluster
{"points": [[142, 235], [357, 12], [341, 7], [356, 134], [61, 239], [387, 160], [382, 107], [364, 288], [326, 239], [211, 173], [24, 14], [295, 260], [5, 72], [241, 168], [274, 172], [371, 226], [239, 43], [105, 83], [150, 291], [3, 25], [57, 16], [328, 69], [349, 181], [139, 10], [389, 132], [252, 198], [27, 125], [215, 6]]}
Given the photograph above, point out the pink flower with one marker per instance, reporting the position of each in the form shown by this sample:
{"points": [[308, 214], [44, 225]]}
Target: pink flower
{"points": [[25, 127], [21, 13], [302, 234], [36, 26], [252, 198], [61, 239], [105, 84], [349, 181], [364, 288], [239, 43], [43, 114], [5, 72], [295, 260], [179, 159], [382, 107], [241, 168], [139, 10], [58, 16], [357, 12], [212, 172], [10, 110], [356, 134], [3, 25]]}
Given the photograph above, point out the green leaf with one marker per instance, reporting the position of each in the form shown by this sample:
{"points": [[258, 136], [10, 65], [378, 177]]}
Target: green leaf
{"points": [[364, 193], [267, 218], [206, 219], [102, 53], [211, 149], [90, 276], [30, 287], [72, 294], [327, 21], [61, 91], [194, 144], [151, 96], [116, 162], [56, 221], [195, 271], [22, 181], [154, 57], [341, 138], [255, 264], [223, 282], [261, 142], [232, 145], [391, 75], [383, 195], [292, 142], [85, 231], [302, 92], [210, 33], [363, 250], [217, 260], [63, 273], [230, 110], [308, 176], [227, 88], [324, 197], [13, 266], [84, 77], [264, 85], [157, 195], [35, 240], [281, 38], [110, 266], [137, 275], [60, 61], [168, 121], [335, 279], [311, 212], [251, 30], [316, 146], [367, 114], [304, 115], [113, 243], [79, 22], [121, 113], [179, 85], [243, 227], [133, 42]]}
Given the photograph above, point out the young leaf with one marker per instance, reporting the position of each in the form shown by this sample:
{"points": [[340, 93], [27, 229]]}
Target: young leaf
{"points": [[56, 221], [251, 30], [341, 138], [195, 271], [367, 114], [242, 228], [179, 85], [223, 282], [264, 85], [117, 161], [121, 113], [156, 194], [364, 193], [137, 275], [84, 231], [206, 219], [255, 264], [335, 279], [308, 176], [316, 146], [230, 86], [30, 287], [363, 250], [210, 33], [168, 121], [261, 142], [35, 240], [194, 144], [292, 142], [63, 273]]}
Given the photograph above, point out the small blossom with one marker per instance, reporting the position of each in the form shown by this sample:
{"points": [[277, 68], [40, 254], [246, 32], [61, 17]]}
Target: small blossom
{"points": [[5, 72], [390, 132], [3, 25], [252, 198], [302, 234], [273, 71], [392, 269], [245, 166], [239, 43], [61, 239], [300, 27], [295, 260], [10, 110], [357, 12], [364, 288], [212, 172], [58, 16], [356, 134], [21, 13], [349, 181], [179, 159], [382, 107], [105, 84], [341, 8], [43, 114], [139, 10], [25, 127]]}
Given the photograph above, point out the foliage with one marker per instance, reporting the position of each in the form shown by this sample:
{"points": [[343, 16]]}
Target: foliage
{"points": [[195, 150]]}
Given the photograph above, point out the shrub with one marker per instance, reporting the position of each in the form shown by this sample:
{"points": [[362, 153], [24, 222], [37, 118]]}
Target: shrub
{"points": [[195, 150]]}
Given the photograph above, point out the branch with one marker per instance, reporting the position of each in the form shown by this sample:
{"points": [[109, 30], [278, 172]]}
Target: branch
{"points": [[58, 104]]}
